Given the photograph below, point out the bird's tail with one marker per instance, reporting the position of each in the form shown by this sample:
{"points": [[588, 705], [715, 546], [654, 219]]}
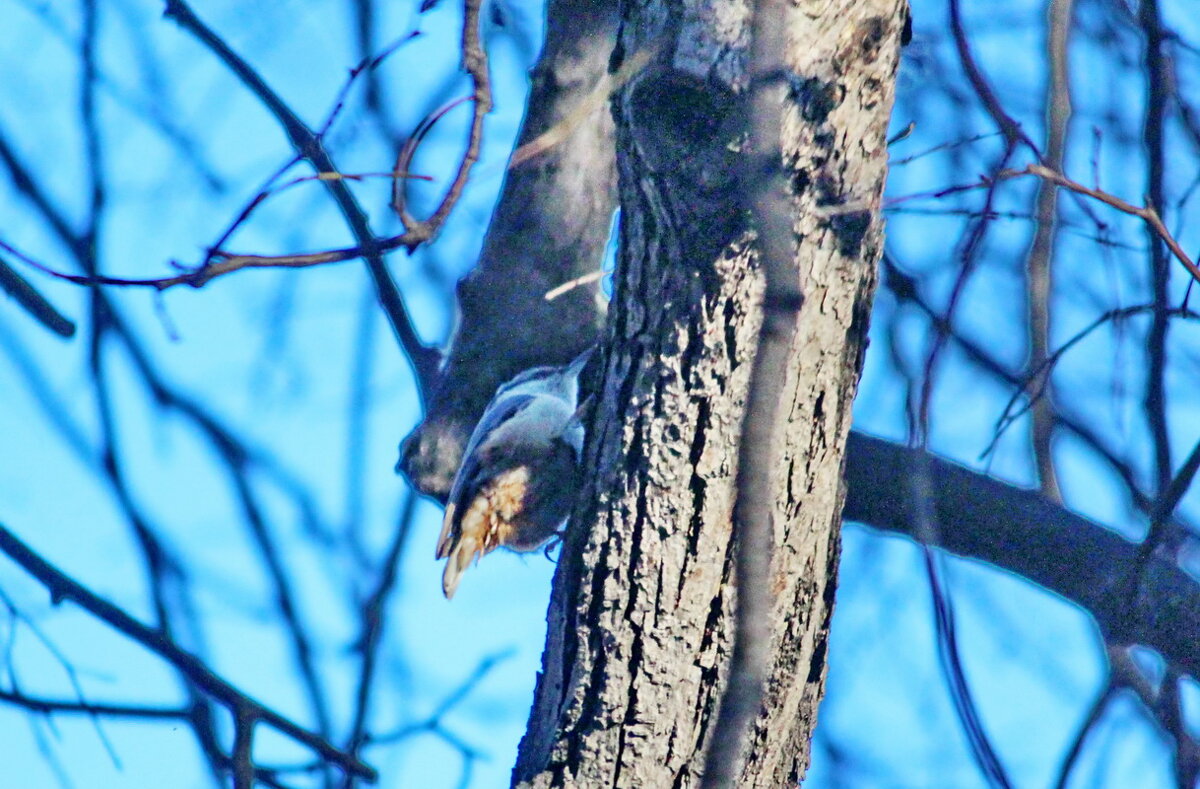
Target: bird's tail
{"points": [[458, 559]]}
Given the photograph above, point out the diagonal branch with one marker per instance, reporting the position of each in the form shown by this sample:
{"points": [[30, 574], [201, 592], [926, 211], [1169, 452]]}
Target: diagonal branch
{"points": [[200, 676], [34, 302], [1020, 531], [309, 145]]}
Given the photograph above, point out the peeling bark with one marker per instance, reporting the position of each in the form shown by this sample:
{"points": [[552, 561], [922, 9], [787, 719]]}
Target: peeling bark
{"points": [[639, 621]]}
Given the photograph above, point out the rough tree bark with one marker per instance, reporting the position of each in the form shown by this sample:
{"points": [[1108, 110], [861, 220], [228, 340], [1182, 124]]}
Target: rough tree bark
{"points": [[562, 237], [549, 227], [639, 623]]}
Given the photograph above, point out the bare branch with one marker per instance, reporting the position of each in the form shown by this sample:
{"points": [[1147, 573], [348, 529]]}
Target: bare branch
{"points": [[1041, 250], [62, 587], [33, 302], [1148, 213], [48, 706], [243, 748], [474, 62], [1012, 131], [434, 721], [551, 226], [1158, 95], [1022, 532], [309, 145], [373, 623]]}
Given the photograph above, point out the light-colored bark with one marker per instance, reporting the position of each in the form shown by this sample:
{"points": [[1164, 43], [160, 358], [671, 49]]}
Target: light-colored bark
{"points": [[1041, 250], [639, 623]]}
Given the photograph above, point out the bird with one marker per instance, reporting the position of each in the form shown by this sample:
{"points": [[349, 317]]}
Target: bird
{"points": [[518, 476]]}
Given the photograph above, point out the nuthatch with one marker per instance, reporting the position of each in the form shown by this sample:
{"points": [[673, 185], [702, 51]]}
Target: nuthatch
{"points": [[519, 472]]}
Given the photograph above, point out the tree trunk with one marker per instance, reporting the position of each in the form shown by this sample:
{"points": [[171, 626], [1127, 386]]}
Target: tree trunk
{"points": [[640, 617]]}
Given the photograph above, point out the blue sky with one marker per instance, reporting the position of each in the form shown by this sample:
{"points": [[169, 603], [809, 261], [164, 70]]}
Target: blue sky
{"points": [[275, 355]]}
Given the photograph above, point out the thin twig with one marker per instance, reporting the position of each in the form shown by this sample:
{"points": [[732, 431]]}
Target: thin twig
{"points": [[34, 302], [974, 242], [373, 623], [1012, 131], [72, 675], [47, 706], [1146, 213], [1123, 674], [434, 721], [285, 601], [904, 289], [269, 191], [1034, 382], [605, 88], [309, 145], [571, 284], [474, 62], [753, 512], [366, 66]]}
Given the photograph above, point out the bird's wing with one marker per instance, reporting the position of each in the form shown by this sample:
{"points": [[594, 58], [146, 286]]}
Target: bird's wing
{"points": [[471, 473]]}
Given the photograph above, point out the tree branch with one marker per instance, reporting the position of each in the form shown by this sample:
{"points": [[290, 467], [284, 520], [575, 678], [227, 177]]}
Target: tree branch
{"points": [[1147, 213], [34, 302], [551, 226], [1020, 531], [62, 587], [309, 145], [1042, 247], [47, 706]]}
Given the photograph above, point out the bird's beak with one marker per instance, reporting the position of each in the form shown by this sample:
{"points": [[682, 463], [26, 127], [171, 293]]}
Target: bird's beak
{"points": [[581, 361]]}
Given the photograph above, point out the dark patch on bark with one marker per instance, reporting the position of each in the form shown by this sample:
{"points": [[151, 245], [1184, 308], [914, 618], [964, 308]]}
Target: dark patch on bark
{"points": [[800, 181], [816, 98], [784, 302], [731, 344], [683, 132], [859, 324], [850, 230], [593, 702], [679, 120], [829, 190], [829, 597], [635, 666], [869, 36], [709, 677]]}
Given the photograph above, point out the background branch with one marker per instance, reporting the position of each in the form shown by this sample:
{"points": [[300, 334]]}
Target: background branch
{"points": [[62, 587], [310, 146], [1020, 531]]}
